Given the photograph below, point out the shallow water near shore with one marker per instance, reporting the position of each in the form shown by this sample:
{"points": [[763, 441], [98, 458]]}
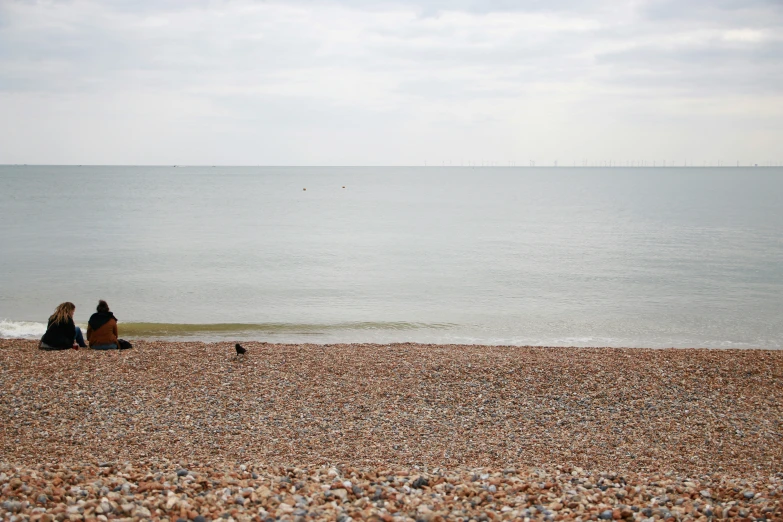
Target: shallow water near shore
{"points": [[555, 257]]}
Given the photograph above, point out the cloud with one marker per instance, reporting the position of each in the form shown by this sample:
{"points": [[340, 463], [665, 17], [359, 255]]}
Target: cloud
{"points": [[212, 80]]}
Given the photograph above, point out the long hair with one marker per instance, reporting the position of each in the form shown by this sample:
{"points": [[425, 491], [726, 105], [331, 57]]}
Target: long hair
{"points": [[103, 306], [62, 313]]}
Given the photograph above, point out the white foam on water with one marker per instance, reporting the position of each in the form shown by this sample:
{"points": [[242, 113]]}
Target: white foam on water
{"points": [[21, 329]]}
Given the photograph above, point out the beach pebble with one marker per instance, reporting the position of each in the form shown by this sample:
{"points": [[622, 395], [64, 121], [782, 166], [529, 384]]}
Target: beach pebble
{"points": [[387, 406], [258, 439], [12, 505], [141, 512]]}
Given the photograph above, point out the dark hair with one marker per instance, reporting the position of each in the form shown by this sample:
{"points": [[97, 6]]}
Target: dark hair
{"points": [[103, 306]]}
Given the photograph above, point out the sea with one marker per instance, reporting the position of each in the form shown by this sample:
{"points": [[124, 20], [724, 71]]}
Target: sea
{"points": [[633, 257]]}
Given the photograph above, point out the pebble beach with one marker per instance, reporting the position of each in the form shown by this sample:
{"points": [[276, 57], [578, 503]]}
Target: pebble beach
{"points": [[171, 430]]}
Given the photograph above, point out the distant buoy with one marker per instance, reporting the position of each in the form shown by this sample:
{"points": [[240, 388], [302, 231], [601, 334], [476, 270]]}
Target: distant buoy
{"points": [[343, 186], [304, 189]]}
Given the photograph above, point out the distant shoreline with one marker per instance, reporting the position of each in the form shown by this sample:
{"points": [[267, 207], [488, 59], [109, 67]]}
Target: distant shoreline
{"points": [[355, 332], [228, 339]]}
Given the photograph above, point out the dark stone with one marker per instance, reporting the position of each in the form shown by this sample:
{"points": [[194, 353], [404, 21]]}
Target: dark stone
{"points": [[254, 475], [200, 518], [357, 491], [606, 515], [420, 482], [182, 472]]}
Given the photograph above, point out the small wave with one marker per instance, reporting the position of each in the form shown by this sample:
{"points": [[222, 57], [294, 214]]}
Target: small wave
{"points": [[182, 329], [21, 329], [32, 330]]}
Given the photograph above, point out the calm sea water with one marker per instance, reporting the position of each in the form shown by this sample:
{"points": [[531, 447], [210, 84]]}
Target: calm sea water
{"points": [[597, 257]]}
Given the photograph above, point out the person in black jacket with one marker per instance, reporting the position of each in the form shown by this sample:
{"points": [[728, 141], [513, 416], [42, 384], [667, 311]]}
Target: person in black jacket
{"points": [[61, 332]]}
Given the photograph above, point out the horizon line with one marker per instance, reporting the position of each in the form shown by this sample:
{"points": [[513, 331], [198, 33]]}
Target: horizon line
{"points": [[534, 166]]}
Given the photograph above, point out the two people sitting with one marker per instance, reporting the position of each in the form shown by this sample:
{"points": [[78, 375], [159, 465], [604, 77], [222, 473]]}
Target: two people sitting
{"points": [[63, 334]]}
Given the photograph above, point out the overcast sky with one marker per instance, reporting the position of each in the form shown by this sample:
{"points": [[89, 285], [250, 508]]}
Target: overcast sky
{"points": [[398, 82]]}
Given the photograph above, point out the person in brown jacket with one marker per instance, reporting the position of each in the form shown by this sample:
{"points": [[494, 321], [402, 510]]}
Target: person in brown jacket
{"points": [[102, 329]]}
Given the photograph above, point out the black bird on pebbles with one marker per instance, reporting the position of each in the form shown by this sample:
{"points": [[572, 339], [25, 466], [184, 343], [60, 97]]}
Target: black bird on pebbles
{"points": [[240, 349]]}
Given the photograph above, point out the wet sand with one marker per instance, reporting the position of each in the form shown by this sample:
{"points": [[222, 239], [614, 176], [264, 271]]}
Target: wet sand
{"points": [[680, 418]]}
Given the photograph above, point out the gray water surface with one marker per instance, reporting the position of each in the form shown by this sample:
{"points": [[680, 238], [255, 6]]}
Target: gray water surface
{"points": [[547, 256]]}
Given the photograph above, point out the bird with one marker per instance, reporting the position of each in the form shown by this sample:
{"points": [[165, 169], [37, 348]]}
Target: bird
{"points": [[240, 350]]}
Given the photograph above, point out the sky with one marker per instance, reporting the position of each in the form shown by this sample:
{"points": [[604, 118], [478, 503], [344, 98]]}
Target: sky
{"points": [[397, 82]]}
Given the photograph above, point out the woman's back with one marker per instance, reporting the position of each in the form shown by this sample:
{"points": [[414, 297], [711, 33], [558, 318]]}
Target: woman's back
{"points": [[102, 328], [60, 334]]}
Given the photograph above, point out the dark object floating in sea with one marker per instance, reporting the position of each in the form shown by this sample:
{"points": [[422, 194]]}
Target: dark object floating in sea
{"points": [[343, 186], [304, 189], [240, 349]]}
